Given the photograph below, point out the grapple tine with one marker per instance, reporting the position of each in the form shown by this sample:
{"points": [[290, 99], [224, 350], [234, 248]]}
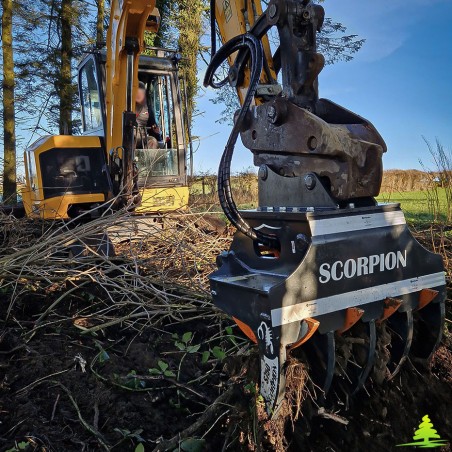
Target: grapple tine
{"points": [[428, 323], [321, 354], [371, 347], [401, 325]]}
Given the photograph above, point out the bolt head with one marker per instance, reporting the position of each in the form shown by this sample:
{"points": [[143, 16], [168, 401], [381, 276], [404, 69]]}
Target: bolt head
{"points": [[263, 172], [310, 181], [312, 143], [301, 242]]}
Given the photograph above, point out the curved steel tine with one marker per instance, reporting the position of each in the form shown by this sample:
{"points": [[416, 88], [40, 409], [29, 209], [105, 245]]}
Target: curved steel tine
{"points": [[331, 361], [429, 323], [372, 345], [321, 354], [401, 326]]}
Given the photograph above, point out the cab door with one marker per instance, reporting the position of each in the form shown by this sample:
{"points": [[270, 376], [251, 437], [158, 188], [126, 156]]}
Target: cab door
{"points": [[91, 95]]}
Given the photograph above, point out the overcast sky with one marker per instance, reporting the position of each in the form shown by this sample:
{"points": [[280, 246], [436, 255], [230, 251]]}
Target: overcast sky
{"points": [[401, 80]]}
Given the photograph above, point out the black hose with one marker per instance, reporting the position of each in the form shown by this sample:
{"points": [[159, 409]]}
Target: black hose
{"points": [[253, 47]]}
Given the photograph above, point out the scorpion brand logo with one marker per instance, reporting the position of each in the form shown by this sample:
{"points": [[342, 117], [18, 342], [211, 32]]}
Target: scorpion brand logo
{"points": [[265, 334]]}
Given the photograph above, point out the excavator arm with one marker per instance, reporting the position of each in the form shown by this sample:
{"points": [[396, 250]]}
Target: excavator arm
{"points": [[129, 19], [235, 18]]}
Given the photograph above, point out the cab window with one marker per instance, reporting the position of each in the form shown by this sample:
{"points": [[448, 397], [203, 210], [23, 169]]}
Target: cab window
{"points": [[159, 157], [90, 98]]}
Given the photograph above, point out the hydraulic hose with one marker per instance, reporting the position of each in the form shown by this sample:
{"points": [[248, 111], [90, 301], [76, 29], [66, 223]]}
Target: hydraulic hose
{"points": [[253, 47]]}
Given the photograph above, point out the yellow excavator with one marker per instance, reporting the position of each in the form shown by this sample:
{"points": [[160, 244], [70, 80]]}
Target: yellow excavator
{"points": [[67, 176]]}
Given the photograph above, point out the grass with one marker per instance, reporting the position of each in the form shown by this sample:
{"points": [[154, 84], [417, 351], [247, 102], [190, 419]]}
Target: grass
{"points": [[416, 206]]}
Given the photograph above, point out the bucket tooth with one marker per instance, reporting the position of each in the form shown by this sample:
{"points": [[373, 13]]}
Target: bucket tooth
{"points": [[428, 323], [273, 342], [401, 325], [352, 315], [307, 330], [426, 296], [246, 330], [391, 305], [272, 359]]}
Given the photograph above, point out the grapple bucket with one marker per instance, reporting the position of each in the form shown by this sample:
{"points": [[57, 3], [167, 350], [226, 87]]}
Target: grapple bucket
{"points": [[338, 275]]}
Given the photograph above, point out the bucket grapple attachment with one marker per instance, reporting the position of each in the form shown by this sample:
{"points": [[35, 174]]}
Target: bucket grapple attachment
{"points": [[319, 266], [338, 273]]}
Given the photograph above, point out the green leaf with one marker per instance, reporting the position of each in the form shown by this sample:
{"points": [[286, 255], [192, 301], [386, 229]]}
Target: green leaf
{"points": [[205, 356], [187, 337], [124, 432], [218, 353], [20, 446], [155, 371], [180, 345], [193, 348], [163, 365], [192, 445], [169, 373], [139, 448], [228, 330], [103, 357]]}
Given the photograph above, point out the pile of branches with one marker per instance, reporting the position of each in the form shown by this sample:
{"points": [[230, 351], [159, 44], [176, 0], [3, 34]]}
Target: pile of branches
{"points": [[159, 268]]}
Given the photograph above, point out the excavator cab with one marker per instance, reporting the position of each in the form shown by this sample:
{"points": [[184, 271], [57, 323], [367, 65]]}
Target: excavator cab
{"points": [[161, 178]]}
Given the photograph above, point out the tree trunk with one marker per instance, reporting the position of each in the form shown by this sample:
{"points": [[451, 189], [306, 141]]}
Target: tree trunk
{"points": [[190, 26], [66, 89], [100, 22], [9, 121]]}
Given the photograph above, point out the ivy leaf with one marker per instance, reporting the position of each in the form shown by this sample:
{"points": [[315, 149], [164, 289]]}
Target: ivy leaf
{"points": [[139, 448], [192, 445], [103, 357]]}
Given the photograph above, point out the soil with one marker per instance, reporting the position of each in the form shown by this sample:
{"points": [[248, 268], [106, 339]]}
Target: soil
{"points": [[64, 390]]}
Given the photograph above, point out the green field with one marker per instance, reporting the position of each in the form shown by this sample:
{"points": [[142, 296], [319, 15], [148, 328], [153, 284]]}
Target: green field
{"points": [[417, 207]]}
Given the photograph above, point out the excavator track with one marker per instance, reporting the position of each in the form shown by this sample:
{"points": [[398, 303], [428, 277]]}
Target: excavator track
{"points": [[342, 273]]}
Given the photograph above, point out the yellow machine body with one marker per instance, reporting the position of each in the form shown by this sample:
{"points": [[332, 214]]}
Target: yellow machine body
{"points": [[66, 175], [55, 207]]}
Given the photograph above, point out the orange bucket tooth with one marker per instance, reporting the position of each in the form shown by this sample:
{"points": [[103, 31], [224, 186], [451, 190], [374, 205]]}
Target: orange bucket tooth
{"points": [[391, 305], [246, 330], [312, 326], [352, 316], [426, 296]]}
